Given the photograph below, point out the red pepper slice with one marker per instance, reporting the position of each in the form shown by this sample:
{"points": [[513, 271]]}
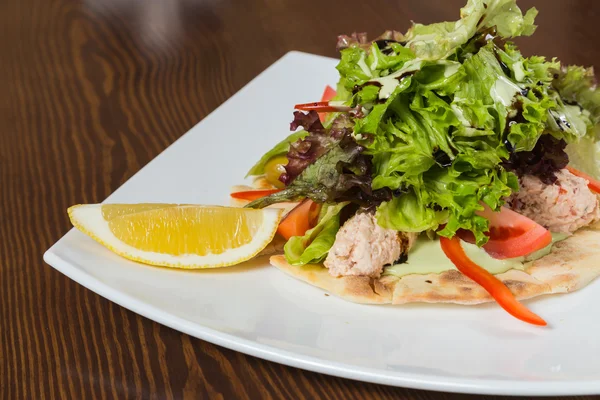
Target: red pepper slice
{"points": [[321, 106], [593, 184], [253, 194], [496, 288]]}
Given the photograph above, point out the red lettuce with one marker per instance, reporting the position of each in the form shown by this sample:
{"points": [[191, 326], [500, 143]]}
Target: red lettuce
{"points": [[305, 151], [326, 166], [547, 157]]}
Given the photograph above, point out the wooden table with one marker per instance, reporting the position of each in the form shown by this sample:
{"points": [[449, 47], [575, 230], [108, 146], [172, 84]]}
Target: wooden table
{"points": [[93, 90]]}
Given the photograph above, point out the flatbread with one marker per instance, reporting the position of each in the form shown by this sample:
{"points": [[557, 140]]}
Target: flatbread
{"points": [[572, 264]]}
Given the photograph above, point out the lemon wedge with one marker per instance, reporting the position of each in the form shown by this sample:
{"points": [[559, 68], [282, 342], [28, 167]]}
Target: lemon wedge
{"points": [[179, 236]]}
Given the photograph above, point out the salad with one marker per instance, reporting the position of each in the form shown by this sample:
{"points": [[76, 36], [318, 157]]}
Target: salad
{"points": [[445, 134]]}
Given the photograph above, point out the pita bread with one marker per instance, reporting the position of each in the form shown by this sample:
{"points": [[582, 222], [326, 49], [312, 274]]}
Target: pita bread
{"points": [[572, 264]]}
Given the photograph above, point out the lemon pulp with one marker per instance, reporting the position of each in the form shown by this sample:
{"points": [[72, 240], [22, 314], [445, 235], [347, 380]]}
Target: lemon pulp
{"points": [[111, 211], [179, 230]]}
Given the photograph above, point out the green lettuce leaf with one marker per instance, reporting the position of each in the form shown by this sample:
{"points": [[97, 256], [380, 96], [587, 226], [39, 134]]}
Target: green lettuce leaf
{"points": [[531, 70], [461, 193], [485, 95], [343, 93], [577, 116], [585, 154], [315, 244], [490, 97], [280, 149], [578, 85], [404, 149], [508, 19], [440, 40], [367, 95], [353, 68], [534, 111], [436, 117], [545, 108], [382, 63], [370, 124], [569, 122], [443, 76], [408, 213], [358, 66]]}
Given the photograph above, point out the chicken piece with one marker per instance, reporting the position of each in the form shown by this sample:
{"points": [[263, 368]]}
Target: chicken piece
{"points": [[362, 247], [565, 206]]}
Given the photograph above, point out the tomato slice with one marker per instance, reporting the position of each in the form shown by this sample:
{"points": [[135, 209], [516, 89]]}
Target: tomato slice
{"points": [[253, 194], [299, 220], [511, 234], [495, 287], [328, 94], [593, 184]]}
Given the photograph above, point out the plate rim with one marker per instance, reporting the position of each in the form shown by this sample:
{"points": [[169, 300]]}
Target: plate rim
{"points": [[271, 353]]}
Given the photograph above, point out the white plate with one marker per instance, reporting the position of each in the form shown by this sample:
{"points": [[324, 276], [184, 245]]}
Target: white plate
{"points": [[260, 311]]}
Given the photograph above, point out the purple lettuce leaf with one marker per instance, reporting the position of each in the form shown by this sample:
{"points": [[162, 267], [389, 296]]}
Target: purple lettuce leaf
{"points": [[547, 157], [326, 166], [306, 151]]}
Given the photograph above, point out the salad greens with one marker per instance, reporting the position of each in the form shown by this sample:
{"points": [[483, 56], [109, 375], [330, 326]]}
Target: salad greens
{"points": [[439, 41], [315, 244], [443, 119]]}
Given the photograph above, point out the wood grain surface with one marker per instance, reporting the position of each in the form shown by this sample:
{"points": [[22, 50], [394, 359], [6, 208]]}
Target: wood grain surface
{"points": [[90, 91]]}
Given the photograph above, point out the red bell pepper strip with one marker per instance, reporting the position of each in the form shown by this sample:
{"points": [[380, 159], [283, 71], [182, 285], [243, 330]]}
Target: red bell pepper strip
{"points": [[593, 184], [496, 288], [321, 106], [252, 195]]}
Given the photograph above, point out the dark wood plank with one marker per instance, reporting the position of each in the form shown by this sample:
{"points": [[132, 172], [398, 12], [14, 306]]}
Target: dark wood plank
{"points": [[93, 90]]}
